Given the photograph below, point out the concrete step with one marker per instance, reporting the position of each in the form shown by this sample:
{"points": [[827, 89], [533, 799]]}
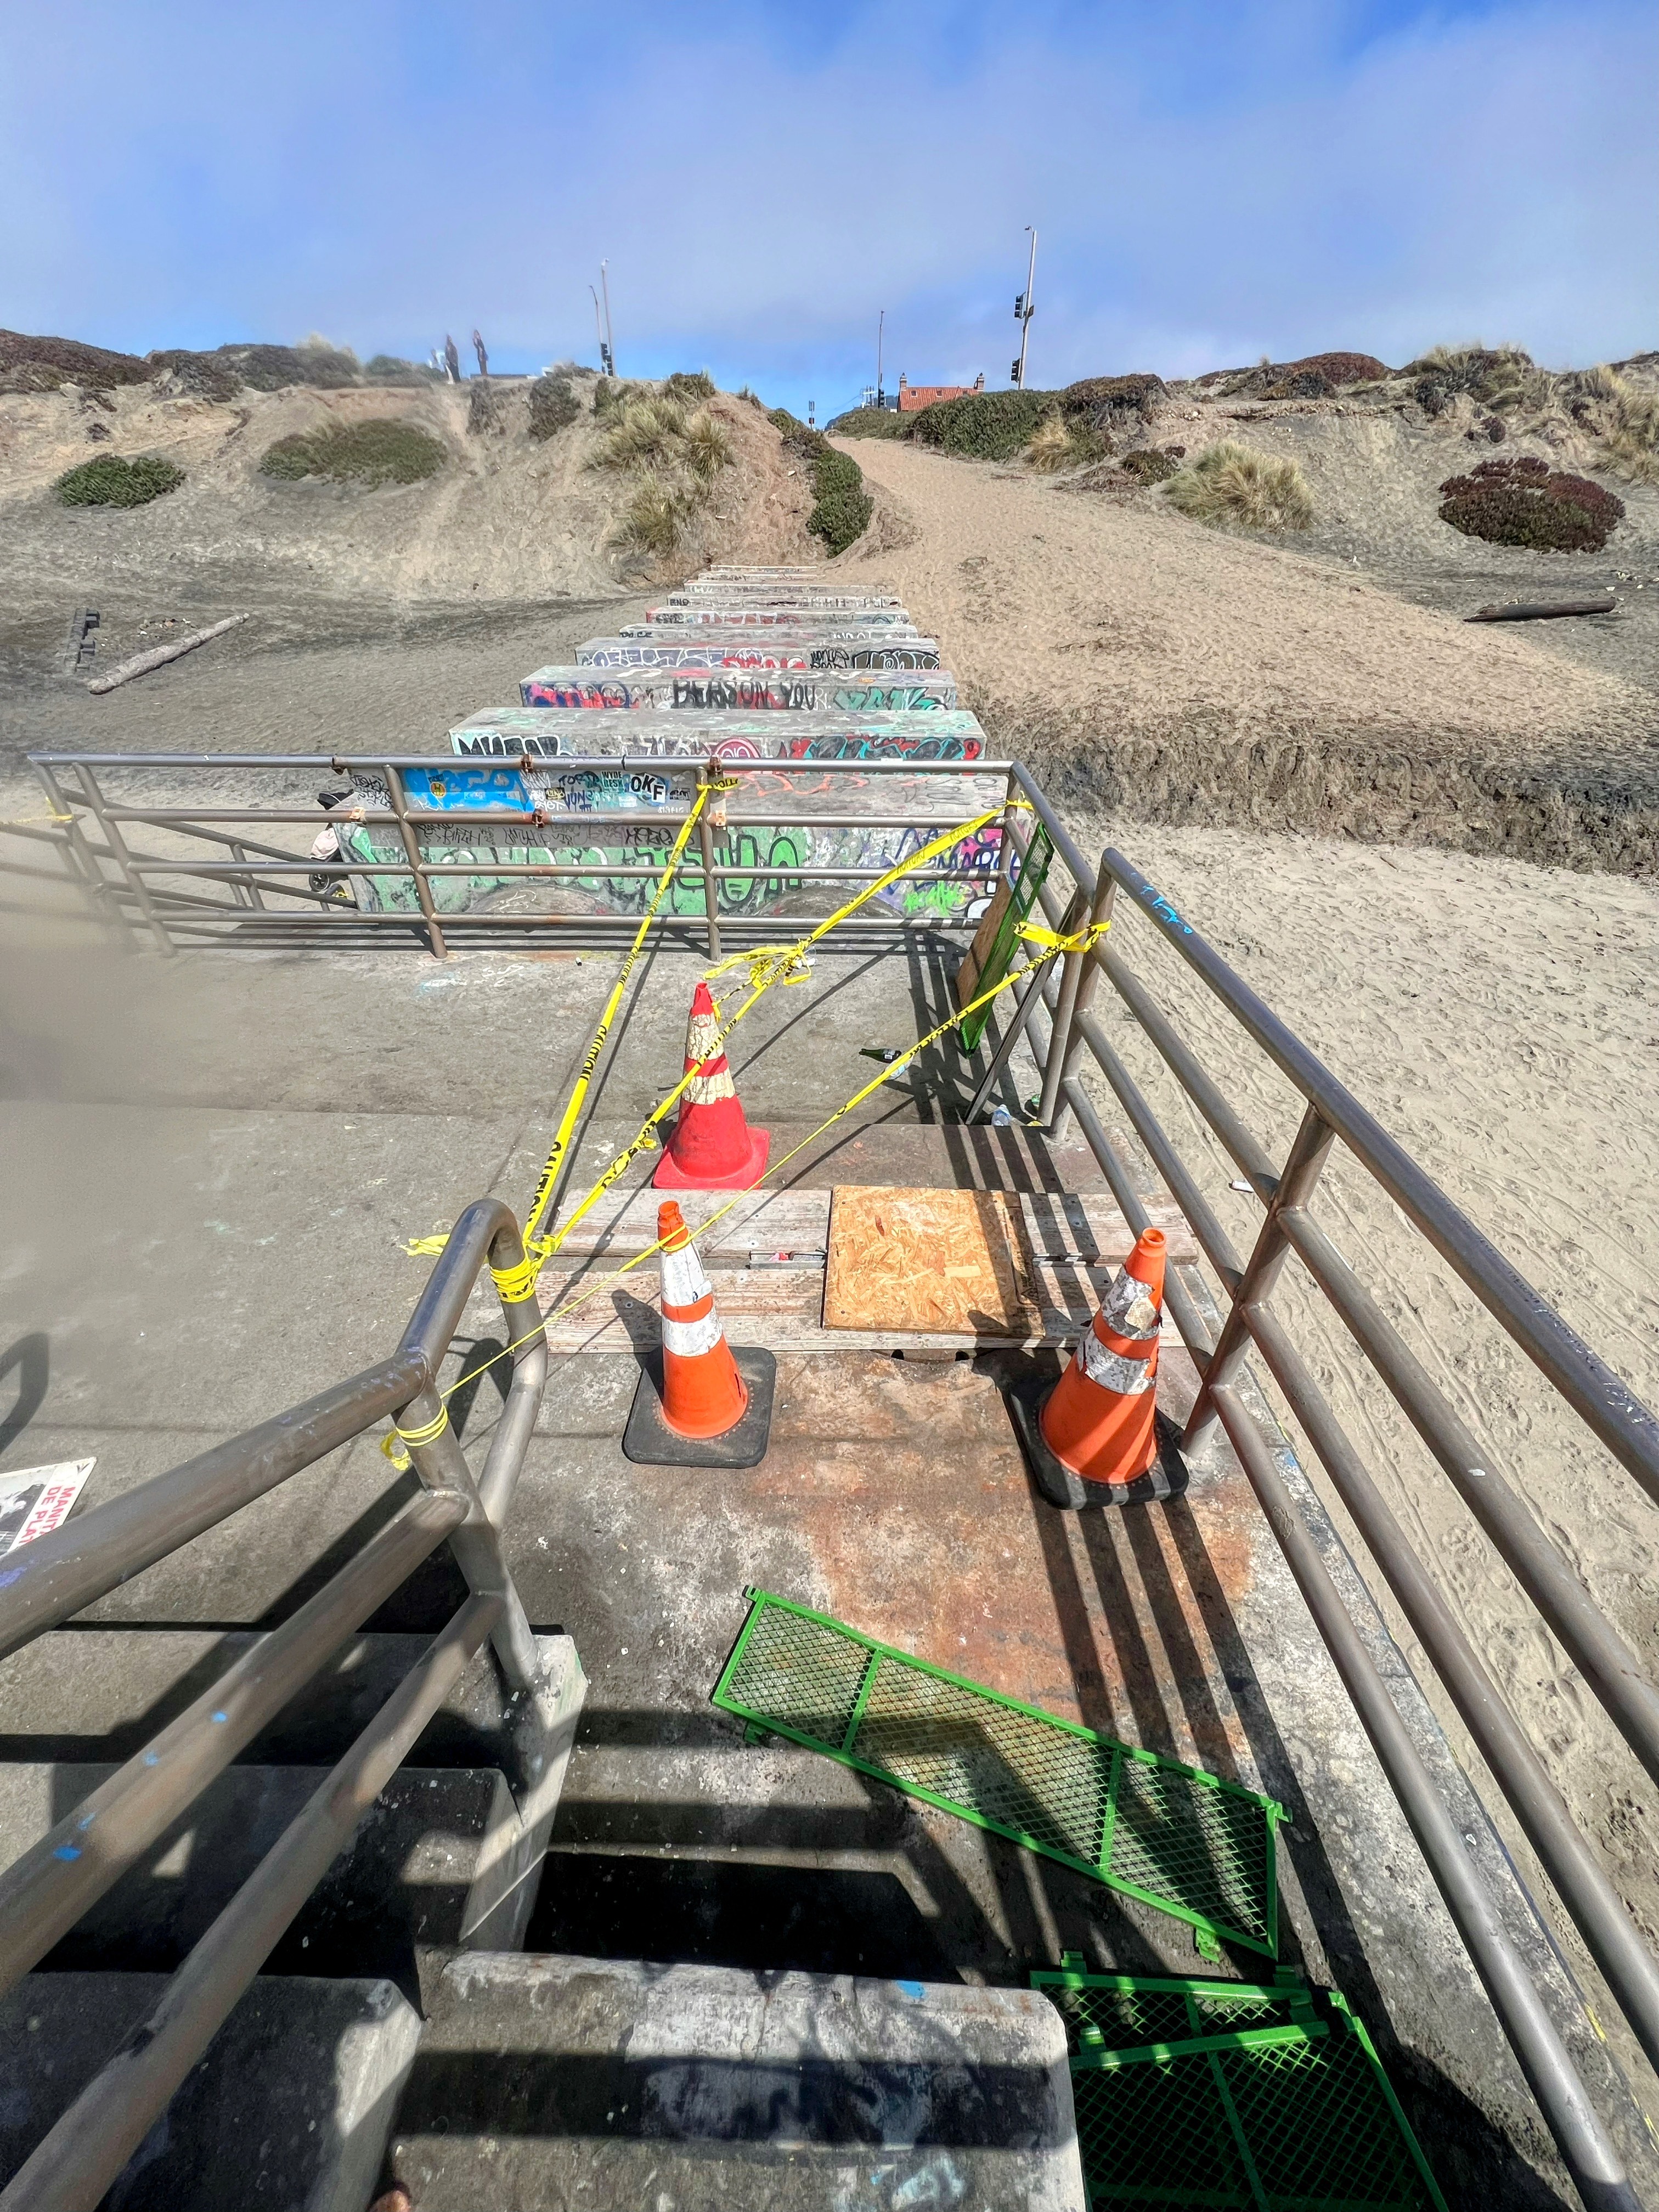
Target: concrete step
{"points": [[289, 2108], [448, 1856], [550, 2080], [85, 1694]]}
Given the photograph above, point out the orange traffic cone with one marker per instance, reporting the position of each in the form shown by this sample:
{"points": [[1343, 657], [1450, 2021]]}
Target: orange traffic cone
{"points": [[713, 1147], [703, 1393], [708, 1406], [1097, 1421]]}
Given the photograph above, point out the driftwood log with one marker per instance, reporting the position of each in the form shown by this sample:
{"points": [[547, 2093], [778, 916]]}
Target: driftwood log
{"points": [[142, 663], [1545, 609]]}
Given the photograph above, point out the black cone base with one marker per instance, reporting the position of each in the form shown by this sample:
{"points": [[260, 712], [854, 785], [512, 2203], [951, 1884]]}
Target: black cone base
{"points": [[1165, 1478], [650, 1442]]}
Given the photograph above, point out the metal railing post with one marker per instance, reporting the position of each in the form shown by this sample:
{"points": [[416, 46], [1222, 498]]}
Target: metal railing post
{"points": [[711, 901], [1585, 2147], [73, 2166], [442, 1465], [81, 863], [1082, 999], [1302, 1166], [117, 845], [394, 784]]}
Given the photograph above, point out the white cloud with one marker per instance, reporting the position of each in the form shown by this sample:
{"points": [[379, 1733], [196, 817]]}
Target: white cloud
{"points": [[1210, 183]]}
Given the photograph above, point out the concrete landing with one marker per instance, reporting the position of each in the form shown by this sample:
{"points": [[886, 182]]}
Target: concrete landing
{"points": [[547, 2081], [289, 2109]]}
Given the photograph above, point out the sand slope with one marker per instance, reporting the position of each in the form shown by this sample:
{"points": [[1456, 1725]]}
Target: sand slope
{"points": [[506, 517], [1182, 673]]}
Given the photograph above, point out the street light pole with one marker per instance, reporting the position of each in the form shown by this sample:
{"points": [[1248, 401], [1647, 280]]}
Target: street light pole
{"points": [[881, 327], [1024, 310], [609, 339]]}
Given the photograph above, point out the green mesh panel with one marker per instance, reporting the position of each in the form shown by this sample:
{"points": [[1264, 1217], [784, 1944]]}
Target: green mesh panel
{"points": [[1118, 2012], [1033, 872], [1279, 2115], [1181, 1840]]}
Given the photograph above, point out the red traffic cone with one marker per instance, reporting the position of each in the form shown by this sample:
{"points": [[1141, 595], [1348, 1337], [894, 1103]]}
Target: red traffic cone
{"points": [[713, 1146], [1098, 1419]]}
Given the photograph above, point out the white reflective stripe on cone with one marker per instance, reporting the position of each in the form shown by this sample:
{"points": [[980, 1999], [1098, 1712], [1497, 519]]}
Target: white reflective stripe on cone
{"points": [[1129, 1308], [1128, 1377], [686, 1338], [683, 1281]]}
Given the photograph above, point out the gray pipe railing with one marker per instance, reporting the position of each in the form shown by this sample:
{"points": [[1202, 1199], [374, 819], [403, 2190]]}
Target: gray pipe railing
{"points": [[55, 1882], [144, 891], [1574, 1869]]}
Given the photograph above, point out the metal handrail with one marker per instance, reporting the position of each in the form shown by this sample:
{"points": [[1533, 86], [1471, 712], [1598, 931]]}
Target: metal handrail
{"points": [[1628, 1427], [54, 1883], [144, 892]]}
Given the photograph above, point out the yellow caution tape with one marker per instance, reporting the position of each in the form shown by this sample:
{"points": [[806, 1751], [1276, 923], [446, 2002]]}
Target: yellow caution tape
{"points": [[424, 1246], [515, 1283], [396, 1444], [390, 1444]]}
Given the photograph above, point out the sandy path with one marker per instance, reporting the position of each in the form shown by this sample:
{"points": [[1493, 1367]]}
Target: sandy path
{"points": [[1503, 1021], [1180, 673]]}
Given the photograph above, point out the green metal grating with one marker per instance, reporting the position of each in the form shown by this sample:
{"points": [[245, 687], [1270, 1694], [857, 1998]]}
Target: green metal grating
{"points": [[1195, 1846], [1255, 2101], [1125, 2012], [1033, 870]]}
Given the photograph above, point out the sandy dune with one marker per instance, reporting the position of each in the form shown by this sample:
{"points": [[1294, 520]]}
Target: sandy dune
{"points": [[1180, 673]]}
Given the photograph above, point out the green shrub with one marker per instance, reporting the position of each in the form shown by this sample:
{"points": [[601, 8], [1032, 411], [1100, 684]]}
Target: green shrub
{"points": [[1499, 379], [110, 481], [869, 422], [650, 523], [28, 364], [207, 375], [391, 369], [989, 426], [271, 368], [1057, 444], [842, 508], [840, 505], [1106, 402], [379, 451], [1525, 502], [705, 448], [1150, 466], [612, 397], [484, 411], [553, 406], [1228, 486], [643, 434], [691, 385]]}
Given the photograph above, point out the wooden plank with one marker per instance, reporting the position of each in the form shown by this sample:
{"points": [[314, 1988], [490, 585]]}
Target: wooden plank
{"points": [[781, 1309], [967, 975], [928, 1262], [1063, 1224]]}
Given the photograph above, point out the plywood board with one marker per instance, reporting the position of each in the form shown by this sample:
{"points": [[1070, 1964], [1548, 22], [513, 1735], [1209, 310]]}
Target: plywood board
{"points": [[928, 1261]]}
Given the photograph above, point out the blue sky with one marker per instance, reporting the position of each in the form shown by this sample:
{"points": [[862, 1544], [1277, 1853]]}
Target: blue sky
{"points": [[1211, 180]]}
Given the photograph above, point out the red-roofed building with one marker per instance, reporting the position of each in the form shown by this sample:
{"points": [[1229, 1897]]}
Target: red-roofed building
{"points": [[914, 396]]}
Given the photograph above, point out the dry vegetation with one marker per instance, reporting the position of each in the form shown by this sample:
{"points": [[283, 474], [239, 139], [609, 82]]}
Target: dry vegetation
{"points": [[1228, 487]]}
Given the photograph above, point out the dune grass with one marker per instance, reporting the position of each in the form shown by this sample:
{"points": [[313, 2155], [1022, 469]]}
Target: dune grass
{"points": [[1228, 487]]}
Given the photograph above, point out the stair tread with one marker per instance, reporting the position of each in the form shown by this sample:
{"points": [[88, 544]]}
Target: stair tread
{"points": [[542, 2079]]}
